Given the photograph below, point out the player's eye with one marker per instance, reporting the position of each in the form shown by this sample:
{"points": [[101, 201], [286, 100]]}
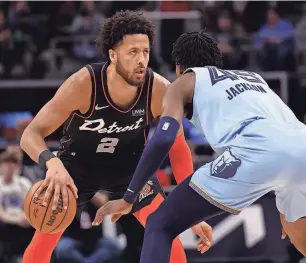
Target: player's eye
{"points": [[146, 51], [133, 52]]}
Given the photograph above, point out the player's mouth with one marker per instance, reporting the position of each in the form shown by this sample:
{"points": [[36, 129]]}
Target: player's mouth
{"points": [[140, 73]]}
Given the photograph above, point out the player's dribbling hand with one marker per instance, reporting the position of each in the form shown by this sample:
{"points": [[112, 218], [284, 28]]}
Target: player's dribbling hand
{"points": [[117, 208], [204, 231], [57, 179]]}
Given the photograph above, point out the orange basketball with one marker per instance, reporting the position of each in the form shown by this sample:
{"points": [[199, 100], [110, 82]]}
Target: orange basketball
{"points": [[43, 218]]}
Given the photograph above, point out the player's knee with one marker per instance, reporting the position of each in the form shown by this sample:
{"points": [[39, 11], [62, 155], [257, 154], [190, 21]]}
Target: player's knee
{"points": [[159, 221], [153, 222]]}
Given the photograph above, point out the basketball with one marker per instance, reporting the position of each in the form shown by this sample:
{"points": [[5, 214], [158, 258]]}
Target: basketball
{"points": [[43, 218]]}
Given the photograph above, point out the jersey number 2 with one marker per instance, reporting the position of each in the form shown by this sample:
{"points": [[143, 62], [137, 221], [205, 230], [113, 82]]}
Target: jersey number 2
{"points": [[107, 145]]}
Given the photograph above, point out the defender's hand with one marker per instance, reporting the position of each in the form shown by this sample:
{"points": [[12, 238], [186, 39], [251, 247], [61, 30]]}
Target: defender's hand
{"points": [[117, 208], [204, 231], [57, 179]]}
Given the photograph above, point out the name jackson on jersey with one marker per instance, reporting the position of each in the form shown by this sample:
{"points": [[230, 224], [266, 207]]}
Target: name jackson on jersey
{"points": [[242, 87], [99, 126]]}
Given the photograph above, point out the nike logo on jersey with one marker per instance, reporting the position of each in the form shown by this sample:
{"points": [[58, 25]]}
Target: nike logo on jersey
{"points": [[101, 108], [99, 126]]}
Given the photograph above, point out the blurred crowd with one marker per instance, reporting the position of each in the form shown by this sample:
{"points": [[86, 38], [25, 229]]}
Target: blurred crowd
{"points": [[38, 38]]}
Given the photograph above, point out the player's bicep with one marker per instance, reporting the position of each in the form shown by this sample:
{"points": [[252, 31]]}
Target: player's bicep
{"points": [[49, 118], [178, 94], [173, 105], [68, 98]]}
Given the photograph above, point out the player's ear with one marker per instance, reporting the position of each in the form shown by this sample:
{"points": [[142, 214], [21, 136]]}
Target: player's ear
{"points": [[112, 55], [178, 70]]}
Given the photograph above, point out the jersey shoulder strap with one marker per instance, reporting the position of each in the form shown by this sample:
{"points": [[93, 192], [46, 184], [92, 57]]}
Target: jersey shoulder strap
{"points": [[95, 70], [148, 87]]}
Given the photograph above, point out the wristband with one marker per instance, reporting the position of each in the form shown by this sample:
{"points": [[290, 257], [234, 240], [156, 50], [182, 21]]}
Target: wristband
{"points": [[44, 157]]}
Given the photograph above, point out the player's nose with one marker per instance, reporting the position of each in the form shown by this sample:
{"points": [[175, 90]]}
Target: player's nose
{"points": [[141, 59]]}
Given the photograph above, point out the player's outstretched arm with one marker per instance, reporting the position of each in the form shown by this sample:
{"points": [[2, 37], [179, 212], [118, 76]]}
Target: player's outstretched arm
{"points": [[178, 94], [168, 128], [179, 154], [74, 94]]}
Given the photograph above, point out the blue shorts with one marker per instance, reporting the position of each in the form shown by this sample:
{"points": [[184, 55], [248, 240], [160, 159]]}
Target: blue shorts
{"points": [[264, 157]]}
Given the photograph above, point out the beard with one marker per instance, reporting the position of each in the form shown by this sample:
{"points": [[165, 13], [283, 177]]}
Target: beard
{"points": [[128, 77]]}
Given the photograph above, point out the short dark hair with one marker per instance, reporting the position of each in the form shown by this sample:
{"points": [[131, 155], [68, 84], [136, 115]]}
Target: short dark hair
{"points": [[113, 29], [196, 49]]}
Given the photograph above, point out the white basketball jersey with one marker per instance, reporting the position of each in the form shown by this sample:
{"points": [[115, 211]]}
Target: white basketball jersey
{"points": [[225, 101]]}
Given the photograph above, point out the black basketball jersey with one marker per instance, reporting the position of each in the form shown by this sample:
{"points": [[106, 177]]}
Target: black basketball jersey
{"points": [[108, 134]]}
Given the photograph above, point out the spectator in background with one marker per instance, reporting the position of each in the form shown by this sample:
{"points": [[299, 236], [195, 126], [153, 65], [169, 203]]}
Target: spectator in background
{"points": [[14, 227], [86, 24], [12, 122], [31, 36], [275, 42], [5, 47], [171, 29], [250, 13], [13, 188], [300, 38], [82, 243], [62, 21], [229, 38], [64, 17], [18, 19], [12, 125], [18, 12]]}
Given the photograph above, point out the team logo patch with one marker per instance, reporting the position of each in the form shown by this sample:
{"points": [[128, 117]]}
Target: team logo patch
{"points": [[146, 191], [226, 165], [139, 112]]}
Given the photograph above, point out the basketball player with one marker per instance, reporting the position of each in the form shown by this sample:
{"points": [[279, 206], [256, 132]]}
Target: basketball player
{"points": [[107, 109], [260, 142]]}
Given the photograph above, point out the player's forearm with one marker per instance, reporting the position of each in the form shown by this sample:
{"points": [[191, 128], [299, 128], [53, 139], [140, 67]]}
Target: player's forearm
{"points": [[33, 143], [153, 155], [181, 159]]}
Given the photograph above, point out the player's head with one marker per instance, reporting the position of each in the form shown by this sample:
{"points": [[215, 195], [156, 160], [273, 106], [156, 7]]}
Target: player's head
{"points": [[196, 49], [296, 232], [9, 162], [126, 39]]}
